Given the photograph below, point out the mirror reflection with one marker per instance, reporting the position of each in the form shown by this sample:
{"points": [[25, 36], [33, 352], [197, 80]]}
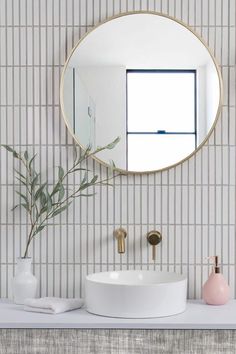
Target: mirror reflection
{"points": [[145, 78]]}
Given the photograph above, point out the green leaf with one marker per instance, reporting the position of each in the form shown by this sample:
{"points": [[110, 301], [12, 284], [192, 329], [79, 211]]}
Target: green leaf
{"points": [[80, 160], [43, 198], [26, 155], [88, 149], [87, 195], [49, 201], [113, 143], [56, 188], [39, 191], [84, 186], [108, 146], [31, 160], [23, 182], [16, 206], [112, 164], [23, 196], [75, 152], [26, 206], [38, 229], [61, 193], [8, 148], [84, 156], [60, 172], [85, 178], [43, 210], [99, 148], [94, 179], [59, 211], [20, 174], [111, 169], [34, 182]]}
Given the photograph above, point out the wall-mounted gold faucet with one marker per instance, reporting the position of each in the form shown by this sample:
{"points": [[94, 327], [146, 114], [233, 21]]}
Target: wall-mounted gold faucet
{"points": [[154, 237], [120, 234]]}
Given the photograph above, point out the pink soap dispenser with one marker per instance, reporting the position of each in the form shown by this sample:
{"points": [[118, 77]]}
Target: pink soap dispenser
{"points": [[216, 290]]}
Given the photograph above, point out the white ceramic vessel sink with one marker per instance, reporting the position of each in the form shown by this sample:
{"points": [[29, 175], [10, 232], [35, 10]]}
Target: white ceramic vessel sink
{"points": [[136, 293]]}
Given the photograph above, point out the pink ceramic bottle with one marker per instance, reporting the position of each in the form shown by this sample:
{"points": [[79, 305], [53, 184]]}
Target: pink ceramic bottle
{"points": [[216, 290]]}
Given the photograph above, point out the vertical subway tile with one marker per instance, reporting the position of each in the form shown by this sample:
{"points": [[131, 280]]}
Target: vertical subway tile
{"points": [[232, 76], [223, 233], [225, 206], [192, 204], [224, 127], [231, 203]]}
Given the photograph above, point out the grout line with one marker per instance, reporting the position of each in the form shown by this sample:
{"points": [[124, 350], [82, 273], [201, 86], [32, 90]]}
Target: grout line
{"points": [[77, 26], [188, 212], [195, 205], [67, 153], [147, 229], [118, 264], [234, 175], [87, 210], [120, 211], [228, 139], [60, 66], [161, 216], [100, 219], [20, 122], [13, 130], [134, 217], [40, 138], [7, 196], [138, 184], [141, 221], [127, 224], [118, 225], [60, 157], [74, 217], [1, 285], [47, 159], [107, 224], [80, 212], [168, 219], [53, 129]]}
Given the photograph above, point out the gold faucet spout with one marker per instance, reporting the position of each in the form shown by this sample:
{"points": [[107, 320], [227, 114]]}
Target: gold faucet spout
{"points": [[120, 234]]}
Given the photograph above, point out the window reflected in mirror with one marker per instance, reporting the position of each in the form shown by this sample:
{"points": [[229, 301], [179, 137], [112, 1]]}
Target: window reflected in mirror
{"points": [[161, 117]]}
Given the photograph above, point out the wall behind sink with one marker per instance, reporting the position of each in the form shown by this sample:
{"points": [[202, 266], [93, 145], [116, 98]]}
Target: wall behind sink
{"points": [[193, 205]]}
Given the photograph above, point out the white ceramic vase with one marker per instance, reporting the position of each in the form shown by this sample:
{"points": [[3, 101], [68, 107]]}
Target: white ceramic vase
{"points": [[24, 283]]}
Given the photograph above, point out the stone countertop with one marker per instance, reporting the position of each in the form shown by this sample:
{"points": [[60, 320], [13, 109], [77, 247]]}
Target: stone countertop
{"points": [[197, 316]]}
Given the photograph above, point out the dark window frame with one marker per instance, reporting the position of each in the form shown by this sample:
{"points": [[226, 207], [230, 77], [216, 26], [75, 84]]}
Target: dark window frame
{"points": [[163, 132]]}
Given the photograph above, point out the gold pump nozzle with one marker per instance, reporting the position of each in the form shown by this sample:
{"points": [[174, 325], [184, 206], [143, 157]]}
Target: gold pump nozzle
{"points": [[216, 263]]}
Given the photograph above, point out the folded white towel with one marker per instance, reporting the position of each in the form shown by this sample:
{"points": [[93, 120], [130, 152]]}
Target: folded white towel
{"points": [[52, 305]]}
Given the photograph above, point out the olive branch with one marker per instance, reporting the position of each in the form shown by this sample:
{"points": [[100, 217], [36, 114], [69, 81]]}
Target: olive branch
{"points": [[43, 202]]}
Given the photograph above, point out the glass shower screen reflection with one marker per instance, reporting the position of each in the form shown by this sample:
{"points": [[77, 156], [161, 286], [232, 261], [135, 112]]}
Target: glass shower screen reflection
{"points": [[161, 117]]}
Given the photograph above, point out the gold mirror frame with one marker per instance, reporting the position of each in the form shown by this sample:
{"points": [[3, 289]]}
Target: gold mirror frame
{"points": [[196, 35]]}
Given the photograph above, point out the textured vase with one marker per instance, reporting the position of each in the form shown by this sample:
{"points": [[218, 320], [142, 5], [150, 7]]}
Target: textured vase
{"points": [[24, 283]]}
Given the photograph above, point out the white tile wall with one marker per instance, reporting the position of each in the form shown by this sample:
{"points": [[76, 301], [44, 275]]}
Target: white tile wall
{"points": [[193, 205]]}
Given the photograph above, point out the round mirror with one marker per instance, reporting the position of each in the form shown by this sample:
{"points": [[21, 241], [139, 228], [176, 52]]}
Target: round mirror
{"points": [[148, 79]]}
